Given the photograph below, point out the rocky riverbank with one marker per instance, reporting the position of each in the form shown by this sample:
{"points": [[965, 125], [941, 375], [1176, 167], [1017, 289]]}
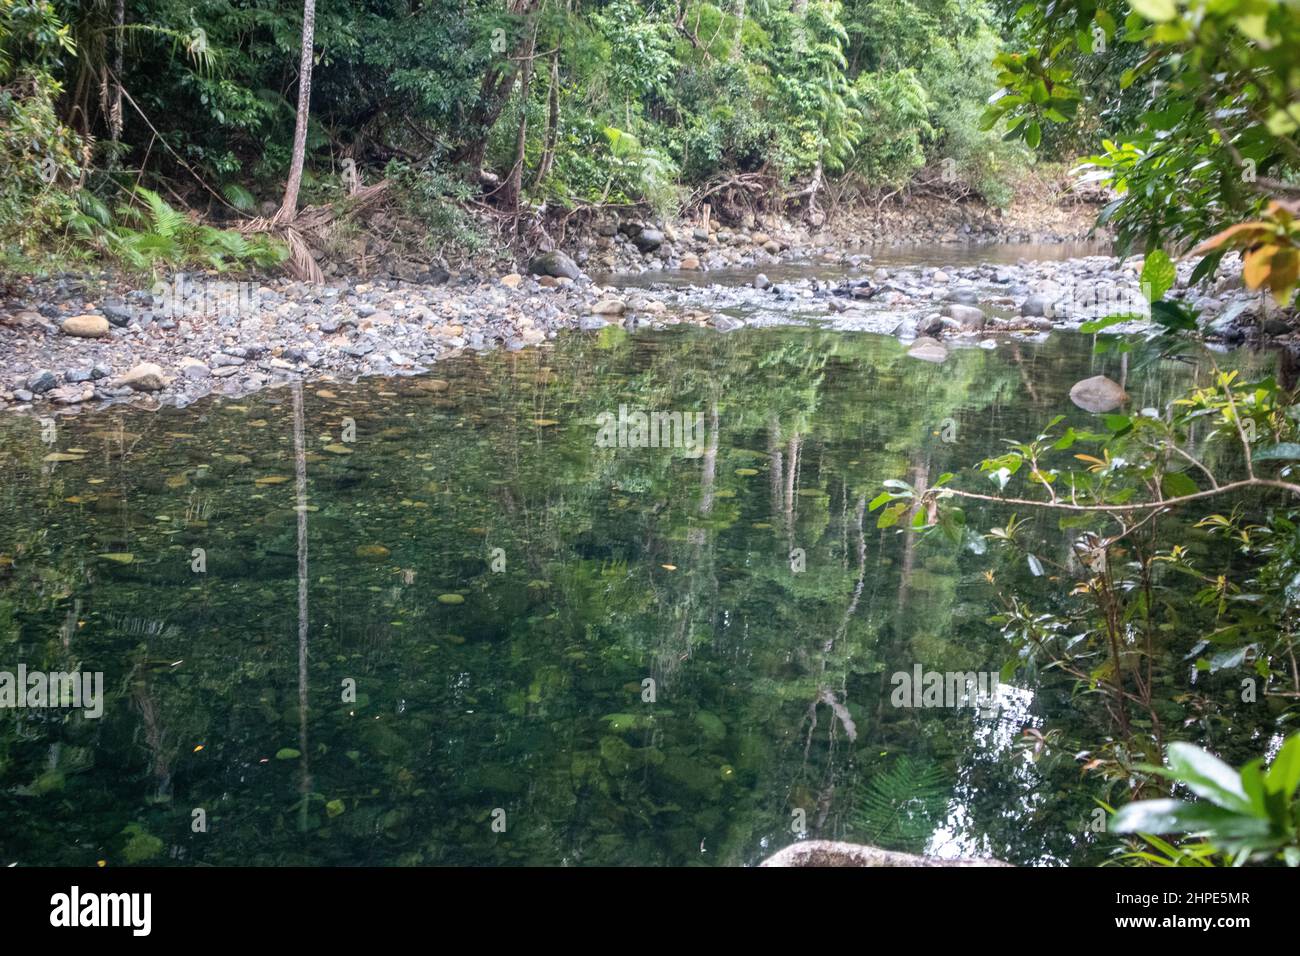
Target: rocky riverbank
{"points": [[617, 246], [73, 340]]}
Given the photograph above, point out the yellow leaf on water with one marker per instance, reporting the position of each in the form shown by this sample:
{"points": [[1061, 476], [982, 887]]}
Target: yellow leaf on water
{"points": [[271, 480], [63, 456], [338, 449], [119, 557]]}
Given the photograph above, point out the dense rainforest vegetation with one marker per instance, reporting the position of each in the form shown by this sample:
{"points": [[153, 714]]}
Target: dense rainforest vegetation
{"points": [[157, 134], [113, 110], [562, 102]]}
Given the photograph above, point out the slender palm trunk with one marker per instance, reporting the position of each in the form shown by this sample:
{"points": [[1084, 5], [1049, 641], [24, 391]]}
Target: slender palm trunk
{"points": [[115, 104], [289, 207]]}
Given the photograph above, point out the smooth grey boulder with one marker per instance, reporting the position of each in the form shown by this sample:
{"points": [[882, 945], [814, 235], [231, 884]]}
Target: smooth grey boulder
{"points": [[648, 240], [1038, 305], [1098, 394], [555, 264], [836, 853], [966, 316]]}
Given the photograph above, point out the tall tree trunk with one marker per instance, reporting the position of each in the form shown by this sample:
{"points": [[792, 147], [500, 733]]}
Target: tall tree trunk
{"points": [[494, 91], [552, 123], [514, 185], [289, 207], [115, 103]]}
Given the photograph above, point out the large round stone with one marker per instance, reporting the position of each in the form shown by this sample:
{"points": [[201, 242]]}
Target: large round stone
{"points": [[1098, 394], [85, 326]]}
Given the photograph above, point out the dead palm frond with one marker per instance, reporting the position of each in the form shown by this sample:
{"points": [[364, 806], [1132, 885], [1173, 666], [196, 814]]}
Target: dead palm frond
{"points": [[311, 226]]}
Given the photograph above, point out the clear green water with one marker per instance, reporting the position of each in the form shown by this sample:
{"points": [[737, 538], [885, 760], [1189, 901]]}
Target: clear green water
{"points": [[526, 696]]}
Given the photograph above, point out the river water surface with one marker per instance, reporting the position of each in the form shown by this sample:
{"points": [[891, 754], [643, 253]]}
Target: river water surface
{"points": [[522, 647]]}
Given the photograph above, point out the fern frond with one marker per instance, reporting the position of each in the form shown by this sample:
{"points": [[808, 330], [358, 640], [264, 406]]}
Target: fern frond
{"points": [[901, 807]]}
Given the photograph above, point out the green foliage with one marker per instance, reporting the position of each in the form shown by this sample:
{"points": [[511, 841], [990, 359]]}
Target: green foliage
{"points": [[434, 198], [1247, 814], [39, 155], [150, 234], [1216, 139], [1129, 499], [627, 103]]}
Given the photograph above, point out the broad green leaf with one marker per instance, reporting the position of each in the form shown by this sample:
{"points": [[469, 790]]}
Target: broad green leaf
{"points": [[889, 517], [1158, 11], [1158, 275], [1284, 775], [1286, 451], [1177, 484], [1097, 325], [1207, 776], [1167, 816]]}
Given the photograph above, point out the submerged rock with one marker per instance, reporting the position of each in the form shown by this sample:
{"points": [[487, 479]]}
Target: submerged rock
{"points": [[1098, 394], [928, 350]]}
